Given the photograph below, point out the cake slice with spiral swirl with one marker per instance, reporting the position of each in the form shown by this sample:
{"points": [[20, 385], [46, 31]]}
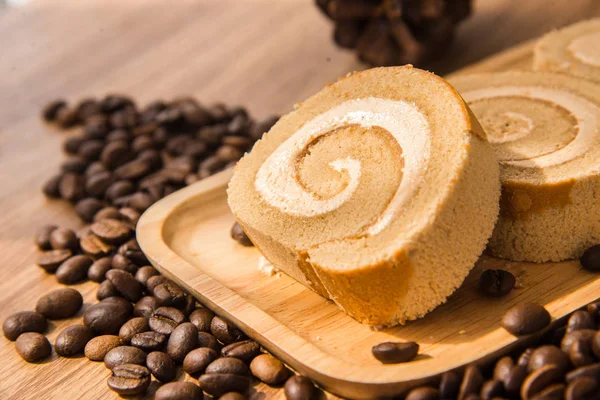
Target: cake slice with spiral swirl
{"points": [[379, 192]]}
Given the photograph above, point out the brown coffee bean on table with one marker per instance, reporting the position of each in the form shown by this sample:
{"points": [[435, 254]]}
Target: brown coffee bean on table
{"points": [[238, 234], [144, 273], [71, 187], [581, 353], [502, 368], [97, 348], [202, 318], [245, 350], [119, 189], [23, 321], [51, 187], [183, 339], [106, 318], [72, 340], [93, 246], [567, 341], [590, 260], [224, 331], [146, 306], [165, 319], [112, 231], [592, 371], [74, 270], [97, 271], [471, 382], [51, 260], [87, 208], [154, 281], [132, 327], [300, 387], [540, 379], [123, 263], [33, 346], [205, 339], [423, 393], [75, 165], [449, 384], [269, 369], [395, 352], [227, 365], [60, 303], [162, 366], [582, 388], [42, 237], [232, 396], [106, 289], [548, 355], [552, 392], [196, 361], [124, 355], [496, 282], [125, 284], [169, 294], [218, 384], [51, 109], [581, 319], [525, 318], [61, 239], [179, 391], [129, 379], [149, 341]]}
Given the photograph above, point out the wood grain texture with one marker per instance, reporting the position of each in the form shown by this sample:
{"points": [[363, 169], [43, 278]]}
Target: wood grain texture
{"points": [[263, 54]]}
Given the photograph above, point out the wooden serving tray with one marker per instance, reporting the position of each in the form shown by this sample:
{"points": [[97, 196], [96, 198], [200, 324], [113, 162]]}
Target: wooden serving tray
{"points": [[186, 236]]}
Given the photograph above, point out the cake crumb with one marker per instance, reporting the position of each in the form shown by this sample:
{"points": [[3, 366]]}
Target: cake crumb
{"points": [[462, 332], [267, 268]]}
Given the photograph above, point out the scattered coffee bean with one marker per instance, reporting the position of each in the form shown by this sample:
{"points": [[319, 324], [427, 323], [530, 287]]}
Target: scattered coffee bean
{"points": [[169, 294], [197, 360], [132, 328], [162, 366], [491, 389], [129, 379], [112, 231], [300, 388], [202, 318], [119, 189], [106, 318], [502, 368], [33, 346], [224, 331], [471, 382], [423, 393], [232, 396], [591, 371], [51, 187], [525, 318], [514, 380], [107, 213], [581, 353], [51, 110], [524, 357], [245, 350], [74, 269], [590, 259], [93, 246], [97, 348], [552, 392], [87, 208], [96, 185], [218, 384], [269, 369], [154, 281], [395, 352], [76, 166], [60, 303], [540, 379], [144, 273], [587, 335], [124, 355], [179, 391], [165, 319], [582, 388], [183, 339], [61, 239], [50, 260], [238, 234], [205, 339], [97, 271], [149, 341], [227, 365], [449, 385], [125, 284], [548, 355], [581, 320], [146, 306], [106, 290], [72, 340], [42, 237], [24, 321], [123, 263], [496, 282]]}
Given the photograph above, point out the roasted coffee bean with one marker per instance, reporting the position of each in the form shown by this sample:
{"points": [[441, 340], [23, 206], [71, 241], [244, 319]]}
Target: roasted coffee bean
{"points": [[141, 201], [525, 318], [124, 355], [76, 165], [97, 348], [133, 170], [228, 153], [42, 237], [237, 141], [72, 143], [471, 382], [224, 331], [23, 321], [227, 365], [144, 273], [61, 239], [269, 369], [123, 263], [423, 393], [449, 384], [97, 271], [154, 281], [300, 388], [106, 290], [131, 216], [93, 246], [51, 187], [580, 320], [590, 259], [96, 127], [502, 368], [90, 149], [141, 143], [183, 339], [87, 208], [50, 260], [60, 303], [540, 379], [119, 301], [514, 380], [581, 353], [591, 371], [95, 167], [165, 319], [74, 269], [119, 189], [548, 355], [97, 184], [179, 391], [587, 335], [132, 327], [196, 361], [245, 350], [51, 110], [189, 306], [169, 294], [496, 282], [116, 102], [145, 306], [552, 392], [395, 352], [232, 396], [202, 318], [218, 384], [162, 366], [238, 234], [149, 341], [125, 284], [212, 134], [86, 108], [71, 187], [112, 231], [129, 379], [33, 346], [491, 389], [594, 309], [106, 317], [582, 388], [72, 340], [205, 339]]}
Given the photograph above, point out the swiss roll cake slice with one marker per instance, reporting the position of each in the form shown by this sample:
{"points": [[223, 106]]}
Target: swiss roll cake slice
{"points": [[545, 130], [574, 50], [378, 192]]}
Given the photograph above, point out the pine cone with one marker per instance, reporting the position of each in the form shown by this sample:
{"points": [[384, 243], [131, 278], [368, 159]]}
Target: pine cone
{"points": [[395, 32]]}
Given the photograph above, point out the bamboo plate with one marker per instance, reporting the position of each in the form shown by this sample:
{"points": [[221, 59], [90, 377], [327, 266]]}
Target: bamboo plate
{"points": [[186, 237]]}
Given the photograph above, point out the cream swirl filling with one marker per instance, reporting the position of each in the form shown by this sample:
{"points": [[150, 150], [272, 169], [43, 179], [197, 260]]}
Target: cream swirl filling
{"points": [[586, 49], [276, 179], [585, 112]]}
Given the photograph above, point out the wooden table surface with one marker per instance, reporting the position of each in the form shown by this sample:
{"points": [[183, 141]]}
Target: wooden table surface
{"points": [[263, 54]]}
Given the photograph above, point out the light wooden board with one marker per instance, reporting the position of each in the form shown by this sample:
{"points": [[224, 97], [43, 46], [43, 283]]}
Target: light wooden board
{"points": [[263, 54], [186, 236]]}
